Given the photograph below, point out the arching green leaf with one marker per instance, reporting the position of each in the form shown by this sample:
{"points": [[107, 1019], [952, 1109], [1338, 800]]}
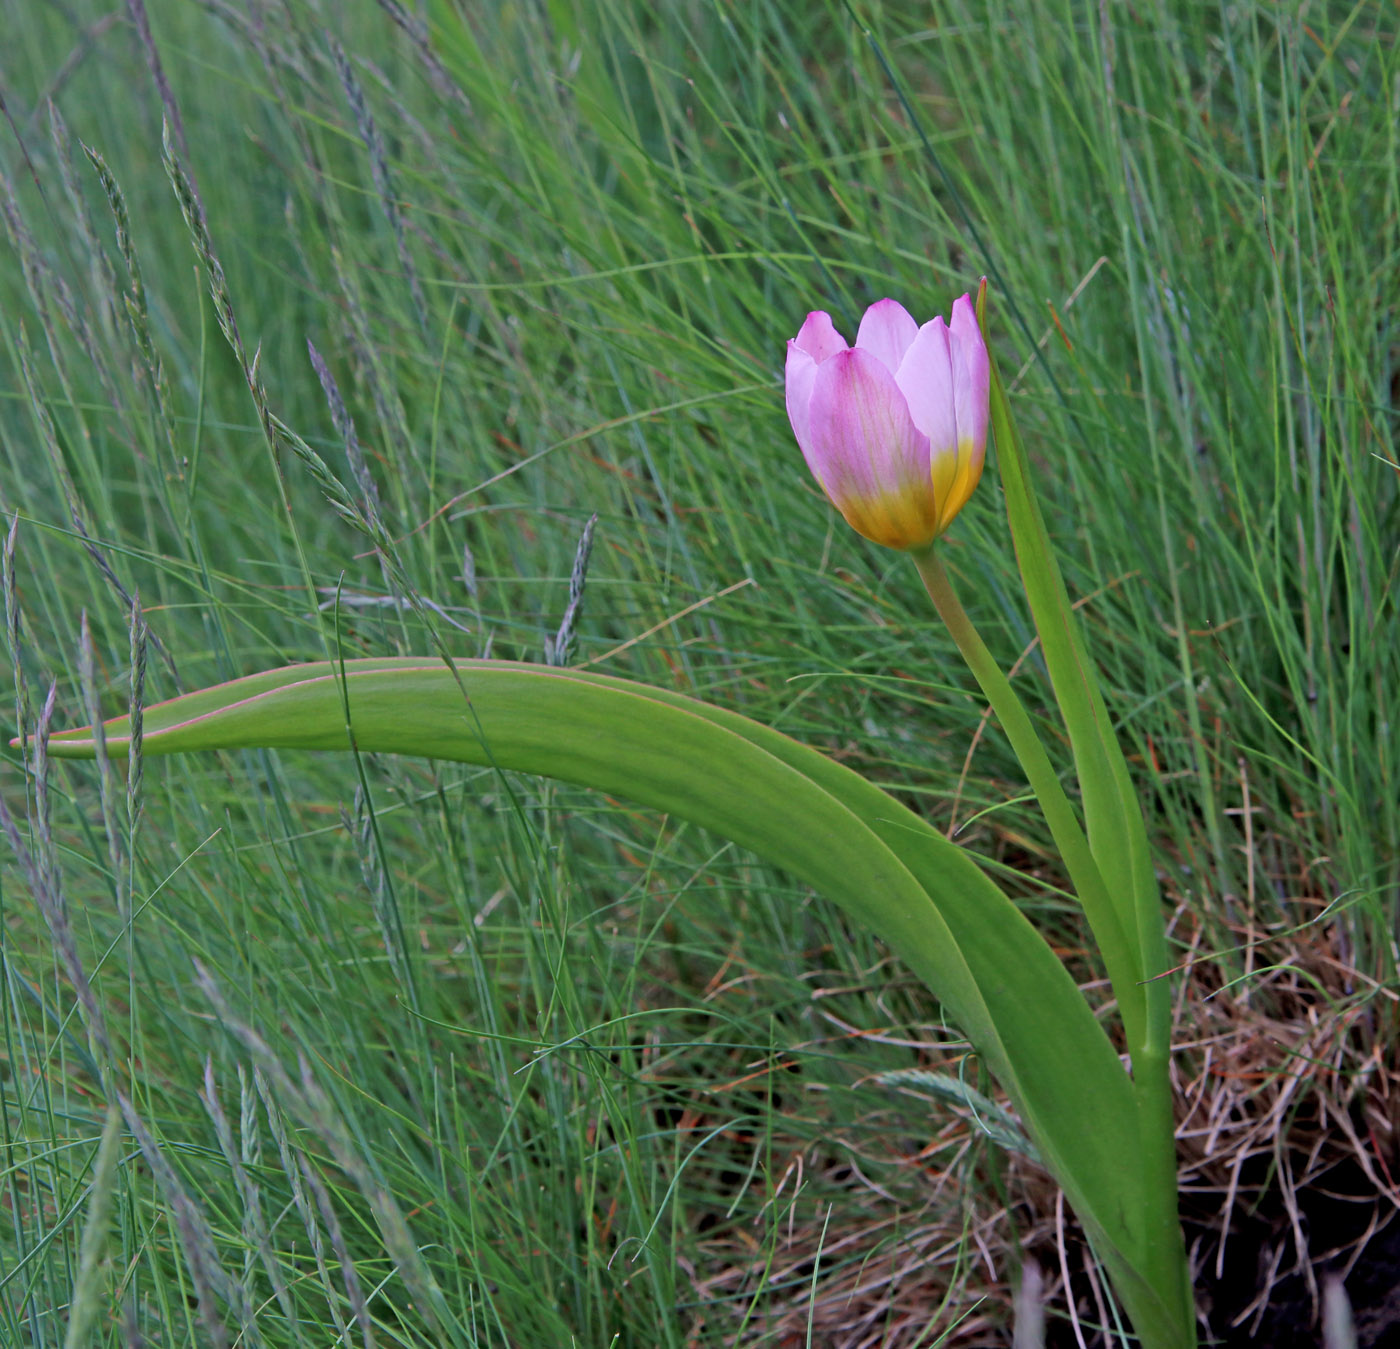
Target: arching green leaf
{"points": [[784, 801]]}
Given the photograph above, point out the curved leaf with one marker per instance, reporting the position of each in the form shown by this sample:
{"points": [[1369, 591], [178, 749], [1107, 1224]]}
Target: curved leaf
{"points": [[786, 802]]}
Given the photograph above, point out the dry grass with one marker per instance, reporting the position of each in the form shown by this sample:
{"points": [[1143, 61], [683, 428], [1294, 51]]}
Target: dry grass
{"points": [[1289, 1110]]}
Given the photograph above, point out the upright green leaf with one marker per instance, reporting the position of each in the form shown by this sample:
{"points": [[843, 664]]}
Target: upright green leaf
{"points": [[1113, 819]]}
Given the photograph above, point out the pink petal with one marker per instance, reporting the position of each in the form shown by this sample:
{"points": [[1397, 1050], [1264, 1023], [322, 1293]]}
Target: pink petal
{"points": [[971, 377], [801, 372], [870, 458], [861, 433], [818, 337], [886, 332], [925, 377]]}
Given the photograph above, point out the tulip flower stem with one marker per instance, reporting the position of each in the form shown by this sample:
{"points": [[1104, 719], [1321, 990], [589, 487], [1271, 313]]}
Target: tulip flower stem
{"points": [[1139, 1002], [1119, 953], [1165, 1253]]}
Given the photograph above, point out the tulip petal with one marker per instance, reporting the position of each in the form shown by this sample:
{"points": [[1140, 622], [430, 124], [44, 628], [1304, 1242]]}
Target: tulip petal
{"points": [[870, 458], [801, 372], [925, 378], [971, 377], [959, 472], [886, 332], [945, 468], [818, 337]]}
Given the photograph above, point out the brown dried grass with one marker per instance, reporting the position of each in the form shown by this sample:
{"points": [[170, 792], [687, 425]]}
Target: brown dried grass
{"points": [[1285, 1089]]}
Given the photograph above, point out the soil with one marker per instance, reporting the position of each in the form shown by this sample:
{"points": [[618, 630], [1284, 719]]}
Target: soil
{"points": [[1348, 1233], [1262, 1293]]}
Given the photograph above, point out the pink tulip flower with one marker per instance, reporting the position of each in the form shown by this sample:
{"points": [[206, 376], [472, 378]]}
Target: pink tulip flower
{"points": [[895, 428]]}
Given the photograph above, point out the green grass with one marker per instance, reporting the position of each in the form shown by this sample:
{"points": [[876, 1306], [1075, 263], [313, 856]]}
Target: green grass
{"points": [[475, 1062]]}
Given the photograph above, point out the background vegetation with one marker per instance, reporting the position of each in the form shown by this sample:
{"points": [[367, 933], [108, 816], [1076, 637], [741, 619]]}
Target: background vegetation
{"points": [[420, 1056]]}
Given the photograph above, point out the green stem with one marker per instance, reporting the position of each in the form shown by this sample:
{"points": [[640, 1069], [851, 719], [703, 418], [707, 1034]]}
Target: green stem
{"points": [[1119, 954], [1164, 1261], [1164, 1316]]}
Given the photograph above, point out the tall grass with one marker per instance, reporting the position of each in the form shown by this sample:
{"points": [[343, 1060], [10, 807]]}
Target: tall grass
{"points": [[418, 1055]]}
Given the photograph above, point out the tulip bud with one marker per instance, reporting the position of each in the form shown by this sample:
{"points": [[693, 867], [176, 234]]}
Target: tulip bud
{"points": [[895, 428]]}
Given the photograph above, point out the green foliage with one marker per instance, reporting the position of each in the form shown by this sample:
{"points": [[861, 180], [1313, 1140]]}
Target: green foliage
{"points": [[544, 1054], [923, 895]]}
